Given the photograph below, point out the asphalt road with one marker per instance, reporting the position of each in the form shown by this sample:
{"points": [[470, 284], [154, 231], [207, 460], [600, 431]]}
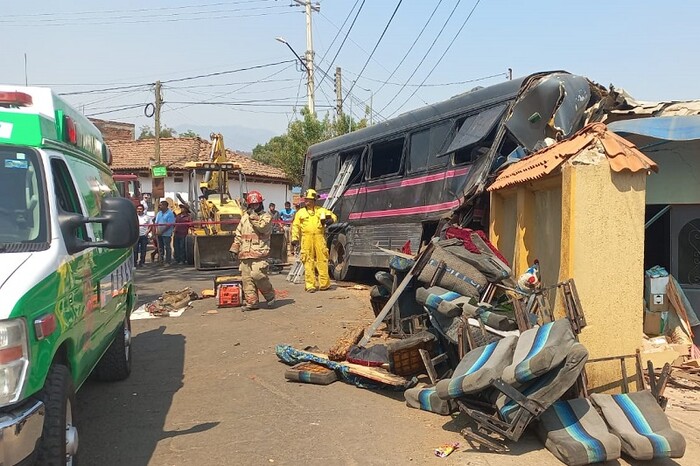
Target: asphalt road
{"points": [[207, 389]]}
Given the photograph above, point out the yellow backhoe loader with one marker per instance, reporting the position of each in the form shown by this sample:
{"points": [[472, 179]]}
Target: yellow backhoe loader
{"points": [[215, 212]]}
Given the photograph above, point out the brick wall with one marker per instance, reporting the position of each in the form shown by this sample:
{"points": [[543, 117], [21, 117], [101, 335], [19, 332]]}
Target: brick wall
{"points": [[115, 130]]}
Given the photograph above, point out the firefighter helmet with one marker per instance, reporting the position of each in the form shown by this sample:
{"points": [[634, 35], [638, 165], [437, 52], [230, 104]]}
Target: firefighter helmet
{"points": [[311, 194], [253, 197]]}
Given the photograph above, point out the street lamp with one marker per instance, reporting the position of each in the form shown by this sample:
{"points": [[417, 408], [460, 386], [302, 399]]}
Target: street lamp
{"points": [[371, 97], [309, 75]]}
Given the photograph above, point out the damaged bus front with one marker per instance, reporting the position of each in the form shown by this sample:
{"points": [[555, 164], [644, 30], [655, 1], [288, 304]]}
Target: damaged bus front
{"points": [[404, 175]]}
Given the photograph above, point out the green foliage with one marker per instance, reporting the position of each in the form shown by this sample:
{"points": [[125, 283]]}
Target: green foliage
{"points": [[288, 151], [189, 134], [148, 133]]}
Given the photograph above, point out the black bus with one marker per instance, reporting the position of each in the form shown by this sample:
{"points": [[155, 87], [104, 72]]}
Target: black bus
{"points": [[434, 162]]}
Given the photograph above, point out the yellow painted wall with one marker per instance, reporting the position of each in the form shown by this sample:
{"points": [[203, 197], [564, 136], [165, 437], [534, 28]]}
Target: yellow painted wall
{"points": [[503, 215], [547, 238], [603, 250]]}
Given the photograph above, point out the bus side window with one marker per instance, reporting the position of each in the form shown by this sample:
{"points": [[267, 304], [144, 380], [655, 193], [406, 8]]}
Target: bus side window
{"points": [[325, 170], [358, 170], [386, 158], [427, 144]]}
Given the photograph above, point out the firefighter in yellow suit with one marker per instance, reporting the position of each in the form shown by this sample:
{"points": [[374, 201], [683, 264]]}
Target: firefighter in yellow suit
{"points": [[310, 225]]}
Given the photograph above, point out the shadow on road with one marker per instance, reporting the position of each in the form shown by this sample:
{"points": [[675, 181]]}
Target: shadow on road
{"points": [[122, 423]]}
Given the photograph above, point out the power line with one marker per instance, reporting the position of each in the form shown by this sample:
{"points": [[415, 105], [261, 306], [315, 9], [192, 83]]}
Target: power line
{"points": [[410, 48], [454, 83], [347, 34], [220, 73], [127, 107], [141, 21], [340, 29], [181, 7], [426, 54], [375, 47], [466, 20], [105, 90], [236, 83]]}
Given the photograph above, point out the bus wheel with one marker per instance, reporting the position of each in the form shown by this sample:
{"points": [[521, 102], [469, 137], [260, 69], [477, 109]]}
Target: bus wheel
{"points": [[338, 258], [59, 441]]}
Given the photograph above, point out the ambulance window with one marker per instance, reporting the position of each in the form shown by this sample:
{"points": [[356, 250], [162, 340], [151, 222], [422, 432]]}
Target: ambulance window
{"points": [[66, 195]]}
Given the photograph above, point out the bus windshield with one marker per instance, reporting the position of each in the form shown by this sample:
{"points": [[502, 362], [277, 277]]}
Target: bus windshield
{"points": [[23, 222]]}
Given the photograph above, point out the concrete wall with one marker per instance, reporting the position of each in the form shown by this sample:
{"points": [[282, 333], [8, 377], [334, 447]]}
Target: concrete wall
{"points": [[678, 180], [586, 224], [603, 250], [272, 192]]}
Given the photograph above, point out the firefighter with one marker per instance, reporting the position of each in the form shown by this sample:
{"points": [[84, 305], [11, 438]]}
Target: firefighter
{"points": [[310, 224], [251, 244]]}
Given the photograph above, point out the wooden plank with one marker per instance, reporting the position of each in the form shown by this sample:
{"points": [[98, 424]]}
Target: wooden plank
{"points": [[372, 373], [339, 351]]}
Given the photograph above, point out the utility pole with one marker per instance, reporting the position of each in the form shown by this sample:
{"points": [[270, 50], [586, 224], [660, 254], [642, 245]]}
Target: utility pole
{"points": [[310, 87], [338, 92], [159, 101]]}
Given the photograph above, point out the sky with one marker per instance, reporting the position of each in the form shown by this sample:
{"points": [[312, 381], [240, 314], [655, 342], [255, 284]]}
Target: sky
{"points": [[430, 51]]}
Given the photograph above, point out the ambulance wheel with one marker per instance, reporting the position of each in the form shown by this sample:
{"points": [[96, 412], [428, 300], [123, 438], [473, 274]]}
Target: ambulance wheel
{"points": [[116, 362], [59, 441], [340, 270]]}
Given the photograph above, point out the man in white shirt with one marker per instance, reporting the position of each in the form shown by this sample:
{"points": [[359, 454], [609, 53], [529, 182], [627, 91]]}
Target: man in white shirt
{"points": [[141, 245]]}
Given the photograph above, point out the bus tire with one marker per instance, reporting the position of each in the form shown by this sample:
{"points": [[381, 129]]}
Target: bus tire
{"points": [[340, 270], [59, 440], [115, 364]]}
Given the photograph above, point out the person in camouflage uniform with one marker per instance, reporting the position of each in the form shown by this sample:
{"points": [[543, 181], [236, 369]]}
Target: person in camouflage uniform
{"points": [[251, 245]]}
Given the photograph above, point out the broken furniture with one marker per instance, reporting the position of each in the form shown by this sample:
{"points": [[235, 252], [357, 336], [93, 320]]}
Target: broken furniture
{"points": [[576, 434], [640, 423], [309, 372], [406, 356]]}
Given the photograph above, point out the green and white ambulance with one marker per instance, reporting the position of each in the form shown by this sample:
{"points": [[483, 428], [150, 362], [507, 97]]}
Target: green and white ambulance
{"points": [[66, 282]]}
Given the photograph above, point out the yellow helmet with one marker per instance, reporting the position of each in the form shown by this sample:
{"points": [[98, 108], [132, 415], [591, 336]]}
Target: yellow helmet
{"points": [[311, 194]]}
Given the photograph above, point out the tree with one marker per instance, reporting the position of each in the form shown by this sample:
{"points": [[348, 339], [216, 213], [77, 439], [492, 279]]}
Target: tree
{"points": [[165, 132], [190, 134], [288, 151]]}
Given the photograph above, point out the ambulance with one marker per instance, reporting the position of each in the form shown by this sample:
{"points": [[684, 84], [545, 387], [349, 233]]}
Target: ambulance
{"points": [[66, 273]]}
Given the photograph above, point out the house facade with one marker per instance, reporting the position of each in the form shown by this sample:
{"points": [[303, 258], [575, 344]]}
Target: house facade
{"points": [[137, 157]]}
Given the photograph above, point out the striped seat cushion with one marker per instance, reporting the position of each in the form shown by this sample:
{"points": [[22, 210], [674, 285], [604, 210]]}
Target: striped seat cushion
{"points": [[539, 350], [549, 387], [425, 397], [574, 432], [438, 299], [477, 368], [641, 424]]}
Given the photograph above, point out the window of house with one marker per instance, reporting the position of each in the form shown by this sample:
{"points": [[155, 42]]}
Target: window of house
{"points": [[426, 145], [178, 177], [386, 158], [688, 255], [325, 171]]}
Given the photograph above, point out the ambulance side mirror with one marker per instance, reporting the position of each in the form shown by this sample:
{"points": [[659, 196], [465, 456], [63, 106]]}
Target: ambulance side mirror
{"points": [[120, 227]]}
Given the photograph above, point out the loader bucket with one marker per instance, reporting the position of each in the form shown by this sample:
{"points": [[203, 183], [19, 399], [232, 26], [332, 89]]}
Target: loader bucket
{"points": [[211, 252]]}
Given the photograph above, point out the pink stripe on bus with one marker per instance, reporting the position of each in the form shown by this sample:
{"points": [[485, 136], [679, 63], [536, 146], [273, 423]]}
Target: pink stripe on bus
{"points": [[409, 182], [405, 211]]}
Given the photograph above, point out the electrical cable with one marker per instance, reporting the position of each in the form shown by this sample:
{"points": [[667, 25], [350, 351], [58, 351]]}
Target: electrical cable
{"points": [[340, 29], [410, 48], [375, 47], [454, 83], [424, 56], [466, 20]]}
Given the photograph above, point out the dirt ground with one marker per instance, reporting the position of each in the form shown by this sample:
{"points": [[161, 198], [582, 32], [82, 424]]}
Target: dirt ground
{"points": [[207, 389]]}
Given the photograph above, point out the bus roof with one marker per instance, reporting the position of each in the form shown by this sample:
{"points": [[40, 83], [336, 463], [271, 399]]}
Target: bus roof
{"points": [[37, 117], [422, 116]]}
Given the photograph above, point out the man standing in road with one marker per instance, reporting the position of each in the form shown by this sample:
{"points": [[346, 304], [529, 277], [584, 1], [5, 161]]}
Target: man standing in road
{"points": [[287, 217], [251, 244], [182, 227], [310, 225], [165, 221], [142, 243]]}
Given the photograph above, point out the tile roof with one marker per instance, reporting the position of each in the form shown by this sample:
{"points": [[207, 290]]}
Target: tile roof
{"points": [[621, 155], [175, 152]]}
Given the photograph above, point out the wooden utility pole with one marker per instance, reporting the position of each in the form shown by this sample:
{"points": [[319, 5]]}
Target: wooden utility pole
{"points": [[338, 92], [159, 101]]}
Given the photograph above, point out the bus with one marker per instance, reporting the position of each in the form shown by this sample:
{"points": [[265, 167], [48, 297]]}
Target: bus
{"points": [[433, 163]]}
